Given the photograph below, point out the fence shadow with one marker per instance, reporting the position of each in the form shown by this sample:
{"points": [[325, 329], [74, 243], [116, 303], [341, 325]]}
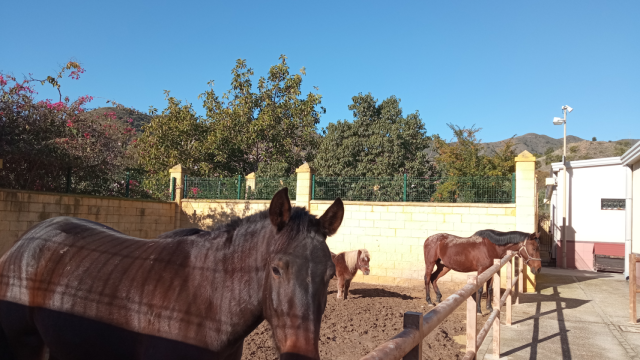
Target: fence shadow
{"points": [[209, 217], [380, 293]]}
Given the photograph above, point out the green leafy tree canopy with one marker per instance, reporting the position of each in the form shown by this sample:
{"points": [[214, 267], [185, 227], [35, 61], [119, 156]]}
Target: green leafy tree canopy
{"points": [[379, 141]]}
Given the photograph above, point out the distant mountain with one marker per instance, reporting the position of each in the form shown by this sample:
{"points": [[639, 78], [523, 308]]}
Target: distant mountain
{"points": [[534, 143], [124, 114]]}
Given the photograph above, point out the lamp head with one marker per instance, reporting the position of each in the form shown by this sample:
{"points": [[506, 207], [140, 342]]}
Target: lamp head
{"points": [[558, 121], [568, 108]]}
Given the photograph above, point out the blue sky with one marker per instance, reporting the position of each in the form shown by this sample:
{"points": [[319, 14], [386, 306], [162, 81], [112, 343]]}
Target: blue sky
{"points": [[506, 66]]}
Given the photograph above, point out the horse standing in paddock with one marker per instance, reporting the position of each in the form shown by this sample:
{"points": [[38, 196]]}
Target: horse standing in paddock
{"points": [[347, 265], [476, 253], [86, 291]]}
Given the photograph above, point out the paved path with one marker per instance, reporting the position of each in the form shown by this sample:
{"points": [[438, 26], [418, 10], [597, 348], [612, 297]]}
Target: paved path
{"points": [[573, 315]]}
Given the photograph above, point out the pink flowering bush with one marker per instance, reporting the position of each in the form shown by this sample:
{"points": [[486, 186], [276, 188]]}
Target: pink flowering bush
{"points": [[43, 141]]}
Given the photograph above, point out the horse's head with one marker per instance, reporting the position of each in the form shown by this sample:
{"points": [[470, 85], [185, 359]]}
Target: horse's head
{"points": [[363, 261], [530, 253], [298, 275]]}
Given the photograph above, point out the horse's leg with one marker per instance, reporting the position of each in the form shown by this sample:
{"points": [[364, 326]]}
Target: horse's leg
{"points": [[443, 270], [490, 294], [340, 286], [479, 300], [427, 279], [347, 283]]}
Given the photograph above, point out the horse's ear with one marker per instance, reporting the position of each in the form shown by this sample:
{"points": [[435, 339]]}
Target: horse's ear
{"points": [[359, 254], [280, 209], [332, 218]]}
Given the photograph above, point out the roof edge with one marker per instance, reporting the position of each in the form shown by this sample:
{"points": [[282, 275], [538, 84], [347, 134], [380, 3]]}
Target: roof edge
{"points": [[632, 155], [588, 163]]}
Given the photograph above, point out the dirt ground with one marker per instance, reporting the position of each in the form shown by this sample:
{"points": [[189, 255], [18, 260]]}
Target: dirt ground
{"points": [[371, 315]]}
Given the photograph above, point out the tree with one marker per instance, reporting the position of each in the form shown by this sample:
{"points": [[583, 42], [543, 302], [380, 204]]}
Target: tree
{"points": [[44, 142], [594, 139], [466, 168], [272, 130], [176, 136], [379, 142], [465, 156]]}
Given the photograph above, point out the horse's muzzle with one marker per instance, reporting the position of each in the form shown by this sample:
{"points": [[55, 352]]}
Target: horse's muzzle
{"points": [[366, 272]]}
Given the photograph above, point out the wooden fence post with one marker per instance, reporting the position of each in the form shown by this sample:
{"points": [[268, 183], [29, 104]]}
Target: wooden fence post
{"points": [[520, 279], [413, 320], [471, 318], [632, 289], [510, 289], [496, 307]]}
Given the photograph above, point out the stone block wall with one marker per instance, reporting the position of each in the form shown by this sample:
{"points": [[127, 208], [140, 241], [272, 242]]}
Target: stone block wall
{"points": [[394, 234], [19, 210]]}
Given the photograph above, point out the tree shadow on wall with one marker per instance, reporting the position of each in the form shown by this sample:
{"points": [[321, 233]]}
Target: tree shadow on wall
{"points": [[214, 214]]}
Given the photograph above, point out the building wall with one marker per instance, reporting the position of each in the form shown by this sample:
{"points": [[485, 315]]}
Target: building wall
{"points": [[19, 210], [587, 223], [635, 230]]}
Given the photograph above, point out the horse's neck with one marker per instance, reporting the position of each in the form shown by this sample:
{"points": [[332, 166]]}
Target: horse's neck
{"points": [[512, 247], [237, 267]]}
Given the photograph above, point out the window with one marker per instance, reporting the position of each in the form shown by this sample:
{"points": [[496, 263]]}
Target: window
{"points": [[612, 204]]}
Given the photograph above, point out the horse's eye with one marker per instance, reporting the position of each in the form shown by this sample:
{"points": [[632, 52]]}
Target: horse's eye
{"points": [[276, 271]]}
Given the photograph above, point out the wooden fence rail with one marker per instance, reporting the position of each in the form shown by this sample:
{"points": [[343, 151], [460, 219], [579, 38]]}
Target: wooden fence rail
{"points": [[407, 344]]}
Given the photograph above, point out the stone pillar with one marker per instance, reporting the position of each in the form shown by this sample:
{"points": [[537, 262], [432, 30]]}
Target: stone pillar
{"points": [[526, 204], [250, 184], [303, 186], [178, 172]]}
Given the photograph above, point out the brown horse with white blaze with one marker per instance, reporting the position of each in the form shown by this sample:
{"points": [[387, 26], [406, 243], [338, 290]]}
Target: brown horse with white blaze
{"points": [[476, 253], [86, 291], [347, 265]]}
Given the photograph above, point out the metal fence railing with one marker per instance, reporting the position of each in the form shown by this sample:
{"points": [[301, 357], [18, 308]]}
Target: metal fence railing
{"points": [[265, 188], [214, 188], [488, 189]]}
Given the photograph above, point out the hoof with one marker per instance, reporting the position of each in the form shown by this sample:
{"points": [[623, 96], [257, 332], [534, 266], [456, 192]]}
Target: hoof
{"points": [[479, 312]]}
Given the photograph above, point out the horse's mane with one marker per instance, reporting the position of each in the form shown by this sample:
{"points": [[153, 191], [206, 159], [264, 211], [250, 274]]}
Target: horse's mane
{"points": [[351, 257], [502, 238]]}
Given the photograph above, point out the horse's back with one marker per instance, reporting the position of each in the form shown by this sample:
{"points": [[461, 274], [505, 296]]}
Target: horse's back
{"points": [[86, 269]]}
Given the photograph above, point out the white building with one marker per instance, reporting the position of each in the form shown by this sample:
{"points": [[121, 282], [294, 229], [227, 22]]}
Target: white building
{"points": [[596, 213]]}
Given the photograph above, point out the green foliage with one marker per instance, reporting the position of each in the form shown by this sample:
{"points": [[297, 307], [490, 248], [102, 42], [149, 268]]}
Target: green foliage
{"points": [[177, 136], [573, 149], [464, 158], [594, 139], [273, 128], [379, 142]]}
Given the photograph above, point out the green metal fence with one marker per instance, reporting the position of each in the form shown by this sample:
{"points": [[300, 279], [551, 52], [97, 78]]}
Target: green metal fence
{"points": [[490, 189], [214, 188], [265, 188], [153, 188]]}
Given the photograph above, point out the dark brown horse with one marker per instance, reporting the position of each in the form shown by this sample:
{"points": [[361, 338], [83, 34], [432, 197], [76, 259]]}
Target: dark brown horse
{"points": [[476, 253], [347, 265], [85, 291]]}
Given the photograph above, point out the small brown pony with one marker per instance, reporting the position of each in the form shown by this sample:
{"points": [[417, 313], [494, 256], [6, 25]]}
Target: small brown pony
{"points": [[476, 253], [347, 265], [86, 291]]}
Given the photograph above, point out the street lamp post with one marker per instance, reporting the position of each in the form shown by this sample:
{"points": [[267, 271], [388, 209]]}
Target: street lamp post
{"points": [[563, 121]]}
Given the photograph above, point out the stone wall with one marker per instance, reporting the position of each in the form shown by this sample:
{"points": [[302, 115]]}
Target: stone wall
{"points": [[394, 234], [19, 210]]}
